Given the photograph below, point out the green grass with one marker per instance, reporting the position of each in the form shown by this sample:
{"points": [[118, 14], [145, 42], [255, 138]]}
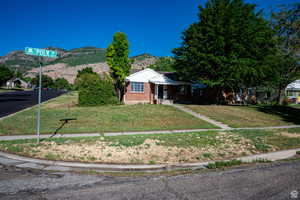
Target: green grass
{"points": [[201, 139], [223, 164], [250, 116], [99, 119], [264, 140], [6, 90], [2, 90], [295, 105]]}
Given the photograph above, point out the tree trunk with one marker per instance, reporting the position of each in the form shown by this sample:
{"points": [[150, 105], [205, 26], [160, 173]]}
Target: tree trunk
{"points": [[280, 96]]}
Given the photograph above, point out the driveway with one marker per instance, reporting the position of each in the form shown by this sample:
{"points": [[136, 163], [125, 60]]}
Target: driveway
{"points": [[264, 181], [12, 102]]}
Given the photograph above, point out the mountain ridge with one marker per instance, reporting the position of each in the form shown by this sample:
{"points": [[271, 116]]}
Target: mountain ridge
{"points": [[73, 57], [69, 62]]}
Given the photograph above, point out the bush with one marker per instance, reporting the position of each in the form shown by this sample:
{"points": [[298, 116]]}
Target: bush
{"points": [[222, 164], [47, 81], [87, 70], [95, 91], [61, 83]]}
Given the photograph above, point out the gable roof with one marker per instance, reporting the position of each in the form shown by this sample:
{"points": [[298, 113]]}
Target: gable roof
{"points": [[161, 79], [294, 85], [142, 76], [149, 75]]}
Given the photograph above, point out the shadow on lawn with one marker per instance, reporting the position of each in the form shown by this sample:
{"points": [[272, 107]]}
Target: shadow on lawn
{"points": [[288, 114]]}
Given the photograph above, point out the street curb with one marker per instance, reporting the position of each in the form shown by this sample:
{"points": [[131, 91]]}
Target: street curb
{"points": [[73, 166]]}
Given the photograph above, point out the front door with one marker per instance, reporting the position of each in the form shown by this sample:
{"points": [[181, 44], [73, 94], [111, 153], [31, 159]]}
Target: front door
{"points": [[160, 92]]}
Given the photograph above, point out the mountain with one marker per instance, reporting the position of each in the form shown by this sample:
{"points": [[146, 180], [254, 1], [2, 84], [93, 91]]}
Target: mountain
{"points": [[69, 62], [79, 56]]}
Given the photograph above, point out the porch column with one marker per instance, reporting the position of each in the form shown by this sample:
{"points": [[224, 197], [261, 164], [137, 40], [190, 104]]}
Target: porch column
{"points": [[155, 91], [165, 92]]}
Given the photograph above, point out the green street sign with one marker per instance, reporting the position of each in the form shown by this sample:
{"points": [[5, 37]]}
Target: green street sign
{"points": [[40, 52]]}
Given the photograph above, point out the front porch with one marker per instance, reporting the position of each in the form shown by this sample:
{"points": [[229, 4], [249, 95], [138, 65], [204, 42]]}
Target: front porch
{"points": [[169, 94]]}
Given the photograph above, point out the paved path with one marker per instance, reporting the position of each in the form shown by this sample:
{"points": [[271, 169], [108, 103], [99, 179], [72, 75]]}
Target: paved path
{"points": [[189, 111], [70, 135], [272, 181]]}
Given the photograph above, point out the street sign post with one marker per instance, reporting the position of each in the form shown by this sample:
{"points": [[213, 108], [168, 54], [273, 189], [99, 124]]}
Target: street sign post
{"points": [[40, 52], [44, 53]]}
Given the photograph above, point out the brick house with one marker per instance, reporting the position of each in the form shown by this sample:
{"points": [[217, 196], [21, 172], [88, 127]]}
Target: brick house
{"points": [[149, 86]]}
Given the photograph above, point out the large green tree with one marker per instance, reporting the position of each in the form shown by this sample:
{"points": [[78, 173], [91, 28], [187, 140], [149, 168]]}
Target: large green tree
{"points": [[5, 74], [165, 64], [225, 49], [285, 67], [117, 58]]}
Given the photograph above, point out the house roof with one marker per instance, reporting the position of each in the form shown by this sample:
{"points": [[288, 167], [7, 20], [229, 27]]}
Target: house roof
{"points": [[164, 80], [142, 76], [149, 75], [294, 85]]}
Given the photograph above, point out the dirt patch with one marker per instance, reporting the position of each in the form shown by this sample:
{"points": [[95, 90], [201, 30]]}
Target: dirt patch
{"points": [[290, 135], [151, 151]]}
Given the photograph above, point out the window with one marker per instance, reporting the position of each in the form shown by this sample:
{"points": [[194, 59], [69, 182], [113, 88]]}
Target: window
{"points": [[137, 87], [291, 93]]}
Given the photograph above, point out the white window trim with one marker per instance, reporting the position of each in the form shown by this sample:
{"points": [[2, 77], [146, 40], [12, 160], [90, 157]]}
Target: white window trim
{"points": [[131, 91]]}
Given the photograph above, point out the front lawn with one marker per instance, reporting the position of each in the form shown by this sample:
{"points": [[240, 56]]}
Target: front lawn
{"points": [[250, 116], [99, 119], [158, 148]]}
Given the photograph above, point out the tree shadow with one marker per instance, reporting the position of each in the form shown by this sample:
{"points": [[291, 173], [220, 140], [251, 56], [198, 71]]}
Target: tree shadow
{"points": [[286, 113]]}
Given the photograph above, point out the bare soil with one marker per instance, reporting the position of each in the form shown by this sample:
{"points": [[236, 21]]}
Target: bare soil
{"points": [[150, 152]]}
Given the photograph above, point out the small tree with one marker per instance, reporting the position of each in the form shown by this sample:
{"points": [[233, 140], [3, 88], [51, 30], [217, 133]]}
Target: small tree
{"points": [[47, 81], [62, 83], [117, 58], [5, 74], [95, 91]]}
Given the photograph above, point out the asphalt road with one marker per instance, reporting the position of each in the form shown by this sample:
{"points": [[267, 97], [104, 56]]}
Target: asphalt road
{"points": [[12, 102], [273, 181]]}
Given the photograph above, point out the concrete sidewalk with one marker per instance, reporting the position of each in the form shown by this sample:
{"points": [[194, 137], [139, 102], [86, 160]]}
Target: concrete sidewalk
{"points": [[70, 135], [199, 116]]}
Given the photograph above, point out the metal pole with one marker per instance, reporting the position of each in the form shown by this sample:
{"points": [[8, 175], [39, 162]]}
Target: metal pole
{"points": [[38, 121]]}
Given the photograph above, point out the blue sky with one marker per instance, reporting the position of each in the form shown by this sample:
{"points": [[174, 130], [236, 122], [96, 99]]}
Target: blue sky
{"points": [[151, 26]]}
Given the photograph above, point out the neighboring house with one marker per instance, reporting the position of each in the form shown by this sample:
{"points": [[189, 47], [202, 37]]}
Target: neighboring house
{"points": [[17, 82], [149, 86], [293, 91]]}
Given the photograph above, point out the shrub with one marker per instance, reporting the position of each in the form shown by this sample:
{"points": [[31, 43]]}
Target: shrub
{"points": [[95, 91], [87, 70], [222, 164], [61, 83]]}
